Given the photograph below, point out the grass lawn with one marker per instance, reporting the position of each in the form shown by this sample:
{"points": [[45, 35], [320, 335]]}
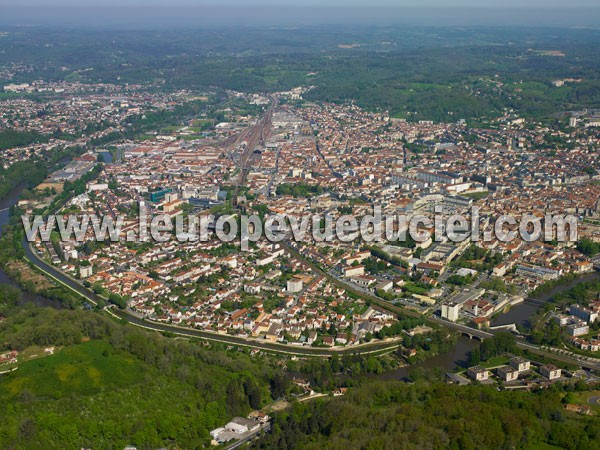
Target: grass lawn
{"points": [[495, 362], [582, 398], [79, 369], [476, 195]]}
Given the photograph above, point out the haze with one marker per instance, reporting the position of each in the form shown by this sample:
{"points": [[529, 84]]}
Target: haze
{"points": [[156, 13]]}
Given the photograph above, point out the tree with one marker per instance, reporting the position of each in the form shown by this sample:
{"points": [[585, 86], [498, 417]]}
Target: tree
{"points": [[252, 391], [279, 385], [474, 357], [116, 299]]}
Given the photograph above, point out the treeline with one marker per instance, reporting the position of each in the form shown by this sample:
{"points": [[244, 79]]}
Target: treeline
{"points": [[75, 188], [33, 171], [29, 172], [392, 415], [353, 370], [499, 344], [549, 332], [10, 138], [478, 258], [152, 120], [9, 297]]}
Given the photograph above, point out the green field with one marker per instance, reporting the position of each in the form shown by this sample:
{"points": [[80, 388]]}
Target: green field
{"points": [[81, 369], [495, 362], [581, 398]]}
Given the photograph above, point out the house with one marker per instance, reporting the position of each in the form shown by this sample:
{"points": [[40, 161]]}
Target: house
{"points": [[241, 425], [359, 257], [550, 371], [329, 341], [252, 288], [478, 373], [339, 392], [216, 432], [521, 364], [259, 417], [508, 373], [581, 409], [430, 268], [364, 280], [481, 322], [341, 338], [385, 285]]}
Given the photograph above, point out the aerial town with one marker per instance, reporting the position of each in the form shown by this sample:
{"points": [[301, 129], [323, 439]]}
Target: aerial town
{"points": [[324, 158], [239, 225]]}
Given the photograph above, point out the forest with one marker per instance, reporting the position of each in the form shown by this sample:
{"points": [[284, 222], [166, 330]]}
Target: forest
{"points": [[12, 138], [438, 73], [109, 385], [394, 415]]}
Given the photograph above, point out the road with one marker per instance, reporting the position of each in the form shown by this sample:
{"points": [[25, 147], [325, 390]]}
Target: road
{"points": [[520, 344], [250, 437], [370, 348], [350, 287]]}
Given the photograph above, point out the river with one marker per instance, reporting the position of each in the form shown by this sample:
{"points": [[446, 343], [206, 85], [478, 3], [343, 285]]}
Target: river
{"points": [[522, 313], [448, 361], [26, 297]]}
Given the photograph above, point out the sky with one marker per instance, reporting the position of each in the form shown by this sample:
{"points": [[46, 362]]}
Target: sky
{"points": [[150, 13], [505, 4]]}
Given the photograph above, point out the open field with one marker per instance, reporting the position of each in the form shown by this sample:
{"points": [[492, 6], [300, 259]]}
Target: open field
{"points": [[82, 369]]}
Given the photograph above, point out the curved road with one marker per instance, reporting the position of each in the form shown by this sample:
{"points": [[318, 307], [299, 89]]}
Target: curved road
{"points": [[371, 348]]}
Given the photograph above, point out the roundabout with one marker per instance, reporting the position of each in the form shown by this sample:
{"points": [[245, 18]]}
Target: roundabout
{"points": [[595, 400]]}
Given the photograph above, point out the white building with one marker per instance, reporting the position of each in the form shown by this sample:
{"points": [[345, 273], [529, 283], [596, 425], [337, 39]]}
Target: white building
{"points": [[240, 425], [508, 373], [450, 311], [85, 271], [578, 329], [294, 285], [521, 364], [550, 371], [478, 373]]}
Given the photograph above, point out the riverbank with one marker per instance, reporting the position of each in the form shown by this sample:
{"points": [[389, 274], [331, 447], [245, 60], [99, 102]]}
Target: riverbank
{"points": [[522, 313], [6, 203]]}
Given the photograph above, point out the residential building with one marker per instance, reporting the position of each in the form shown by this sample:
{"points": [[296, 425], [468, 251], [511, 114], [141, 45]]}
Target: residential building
{"points": [[550, 371], [520, 364], [508, 373], [478, 373]]}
